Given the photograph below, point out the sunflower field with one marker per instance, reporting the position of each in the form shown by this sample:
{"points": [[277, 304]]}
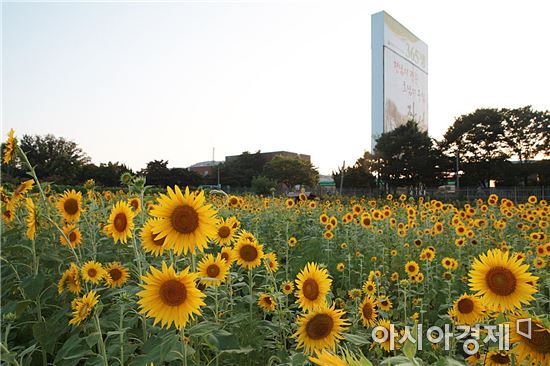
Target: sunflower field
{"points": [[185, 277]]}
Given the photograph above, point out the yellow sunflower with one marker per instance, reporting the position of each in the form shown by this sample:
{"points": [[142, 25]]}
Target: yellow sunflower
{"points": [[70, 279], [385, 337], [313, 284], [271, 263], [369, 287], [328, 235], [340, 267], [501, 280], [212, 271], [70, 205], [326, 358], [384, 303], [135, 204], [267, 302], [93, 272], [31, 219], [228, 255], [497, 359], [9, 147], [21, 190], [412, 268], [247, 251], [320, 329], [186, 222], [467, 310], [225, 233], [367, 310], [72, 233], [116, 275], [121, 222], [83, 306], [287, 287], [149, 243], [170, 297], [292, 241], [533, 349]]}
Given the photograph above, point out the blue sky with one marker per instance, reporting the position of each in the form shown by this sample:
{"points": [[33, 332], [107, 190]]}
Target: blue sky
{"points": [[134, 81]]}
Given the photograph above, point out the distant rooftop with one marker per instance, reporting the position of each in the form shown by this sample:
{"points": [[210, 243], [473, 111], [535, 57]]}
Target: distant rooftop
{"points": [[206, 164]]}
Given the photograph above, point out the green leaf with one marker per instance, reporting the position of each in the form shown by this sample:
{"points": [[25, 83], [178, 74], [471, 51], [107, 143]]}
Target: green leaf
{"points": [[45, 337], [93, 339], [356, 339], [409, 348], [21, 306], [32, 286]]}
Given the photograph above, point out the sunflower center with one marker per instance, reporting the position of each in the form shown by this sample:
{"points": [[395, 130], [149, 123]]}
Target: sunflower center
{"points": [[500, 359], [501, 281], [465, 306], [173, 292], [540, 338], [158, 242], [120, 222], [115, 273], [225, 256], [224, 232], [248, 253], [70, 206], [320, 326], [213, 270], [367, 310], [92, 272], [84, 311], [134, 204], [310, 289], [412, 268], [267, 300], [72, 236], [185, 219]]}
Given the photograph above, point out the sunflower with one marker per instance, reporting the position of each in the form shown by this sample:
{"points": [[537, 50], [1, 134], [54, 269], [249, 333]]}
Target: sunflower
{"points": [[228, 255], [501, 280], [9, 147], [467, 310], [287, 287], [369, 287], [267, 302], [135, 204], [384, 303], [326, 358], [320, 329], [292, 241], [170, 297], [93, 272], [535, 348], [233, 201], [328, 235], [70, 205], [367, 310], [121, 222], [21, 189], [70, 279], [313, 284], [225, 233], [186, 222], [412, 268], [497, 359], [340, 267], [290, 202], [116, 274], [31, 219], [384, 337], [149, 242], [247, 251], [72, 233], [271, 263], [82, 307], [212, 271]]}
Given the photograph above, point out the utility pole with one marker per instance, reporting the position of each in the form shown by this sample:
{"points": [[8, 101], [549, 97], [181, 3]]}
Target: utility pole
{"points": [[342, 176], [457, 176]]}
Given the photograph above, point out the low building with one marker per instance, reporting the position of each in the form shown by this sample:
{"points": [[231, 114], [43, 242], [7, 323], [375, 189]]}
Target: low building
{"points": [[205, 168]]}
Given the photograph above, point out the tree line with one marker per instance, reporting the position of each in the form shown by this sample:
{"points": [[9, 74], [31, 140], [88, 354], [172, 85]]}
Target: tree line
{"points": [[63, 162], [508, 146]]}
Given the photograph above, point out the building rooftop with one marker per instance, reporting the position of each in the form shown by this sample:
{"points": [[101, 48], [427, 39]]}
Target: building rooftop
{"points": [[206, 164]]}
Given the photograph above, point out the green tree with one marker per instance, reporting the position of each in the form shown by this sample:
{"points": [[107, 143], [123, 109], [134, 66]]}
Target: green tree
{"points": [[158, 174], [263, 185], [291, 171], [407, 156], [360, 175], [106, 174], [526, 132], [55, 159], [241, 170]]}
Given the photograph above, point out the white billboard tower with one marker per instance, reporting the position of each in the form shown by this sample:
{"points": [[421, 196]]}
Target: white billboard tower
{"points": [[399, 76]]}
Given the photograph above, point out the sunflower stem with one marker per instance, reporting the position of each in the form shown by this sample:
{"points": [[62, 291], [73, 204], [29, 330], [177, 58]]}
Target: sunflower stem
{"points": [[101, 344], [121, 326], [184, 346], [250, 284]]}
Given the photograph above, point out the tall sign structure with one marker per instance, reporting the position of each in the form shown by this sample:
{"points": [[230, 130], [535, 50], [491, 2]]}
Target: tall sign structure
{"points": [[399, 76]]}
